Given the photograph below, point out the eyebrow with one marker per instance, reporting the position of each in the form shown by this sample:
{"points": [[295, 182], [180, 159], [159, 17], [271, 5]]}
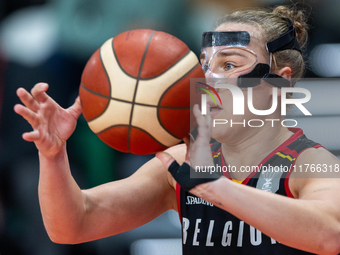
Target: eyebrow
{"points": [[222, 54], [229, 53]]}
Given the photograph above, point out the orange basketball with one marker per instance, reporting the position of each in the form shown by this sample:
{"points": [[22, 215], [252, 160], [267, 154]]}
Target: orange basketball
{"points": [[135, 91]]}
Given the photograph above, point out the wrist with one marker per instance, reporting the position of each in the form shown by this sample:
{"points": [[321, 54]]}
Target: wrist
{"points": [[60, 154], [215, 192], [186, 177], [206, 190]]}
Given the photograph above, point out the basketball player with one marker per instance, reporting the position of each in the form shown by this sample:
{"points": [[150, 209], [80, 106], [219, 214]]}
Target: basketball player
{"points": [[219, 215]]}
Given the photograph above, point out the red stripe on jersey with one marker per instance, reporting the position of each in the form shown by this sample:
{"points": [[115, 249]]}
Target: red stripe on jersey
{"points": [[287, 189], [213, 153], [297, 133], [290, 152]]}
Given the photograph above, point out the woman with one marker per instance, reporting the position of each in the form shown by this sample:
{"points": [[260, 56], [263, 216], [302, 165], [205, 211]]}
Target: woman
{"points": [[218, 215]]}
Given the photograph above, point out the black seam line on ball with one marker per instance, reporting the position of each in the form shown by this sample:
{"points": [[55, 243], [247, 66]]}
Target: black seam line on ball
{"points": [[129, 102], [108, 79], [166, 70], [145, 79], [120, 66], [136, 87], [119, 125], [173, 84]]}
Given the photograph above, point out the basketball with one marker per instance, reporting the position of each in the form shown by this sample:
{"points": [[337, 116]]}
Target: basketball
{"points": [[135, 91]]}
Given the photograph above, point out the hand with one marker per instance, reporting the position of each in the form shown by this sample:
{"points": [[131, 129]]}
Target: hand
{"points": [[198, 151], [198, 154], [52, 125]]}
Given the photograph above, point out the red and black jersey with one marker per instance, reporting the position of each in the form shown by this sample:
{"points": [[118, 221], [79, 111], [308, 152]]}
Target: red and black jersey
{"points": [[210, 230]]}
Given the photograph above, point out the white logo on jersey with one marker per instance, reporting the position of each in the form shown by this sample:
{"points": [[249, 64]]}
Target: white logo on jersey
{"points": [[267, 186], [197, 201]]}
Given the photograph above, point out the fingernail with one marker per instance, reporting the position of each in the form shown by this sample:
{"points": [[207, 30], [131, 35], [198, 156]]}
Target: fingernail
{"points": [[43, 85]]}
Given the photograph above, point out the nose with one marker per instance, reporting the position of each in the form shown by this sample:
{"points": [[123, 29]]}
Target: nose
{"points": [[209, 74]]}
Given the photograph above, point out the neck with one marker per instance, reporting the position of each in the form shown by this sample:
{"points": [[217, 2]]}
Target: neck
{"points": [[253, 148]]}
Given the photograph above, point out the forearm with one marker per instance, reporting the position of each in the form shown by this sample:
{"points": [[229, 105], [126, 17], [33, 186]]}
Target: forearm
{"points": [[310, 225], [61, 200]]}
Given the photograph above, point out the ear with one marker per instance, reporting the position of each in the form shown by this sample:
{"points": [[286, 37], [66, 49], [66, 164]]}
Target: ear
{"points": [[285, 72]]}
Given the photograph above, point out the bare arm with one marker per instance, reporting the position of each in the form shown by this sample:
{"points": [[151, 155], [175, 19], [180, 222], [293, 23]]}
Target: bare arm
{"points": [[119, 206], [71, 215], [311, 222]]}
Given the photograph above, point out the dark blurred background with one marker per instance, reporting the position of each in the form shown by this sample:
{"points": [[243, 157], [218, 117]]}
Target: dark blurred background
{"points": [[50, 41]]}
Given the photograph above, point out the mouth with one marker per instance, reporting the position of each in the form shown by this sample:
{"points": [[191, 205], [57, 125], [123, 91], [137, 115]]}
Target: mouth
{"points": [[214, 109], [213, 105]]}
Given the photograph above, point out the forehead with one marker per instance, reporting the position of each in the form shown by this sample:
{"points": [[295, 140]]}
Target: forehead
{"points": [[257, 41]]}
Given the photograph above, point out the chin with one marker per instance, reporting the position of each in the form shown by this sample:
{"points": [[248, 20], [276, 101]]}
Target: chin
{"points": [[221, 132]]}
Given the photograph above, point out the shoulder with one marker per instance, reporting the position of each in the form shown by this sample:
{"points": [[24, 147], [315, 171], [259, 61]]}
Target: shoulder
{"points": [[314, 167], [316, 156], [155, 167]]}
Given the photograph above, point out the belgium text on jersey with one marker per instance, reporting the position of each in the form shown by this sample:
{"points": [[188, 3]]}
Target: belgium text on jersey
{"points": [[230, 232]]}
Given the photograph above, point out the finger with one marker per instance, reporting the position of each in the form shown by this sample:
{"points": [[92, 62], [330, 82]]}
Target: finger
{"points": [[31, 136], [27, 114], [192, 139], [208, 117], [187, 143], [76, 109], [203, 123], [200, 117], [166, 158], [27, 99], [39, 92]]}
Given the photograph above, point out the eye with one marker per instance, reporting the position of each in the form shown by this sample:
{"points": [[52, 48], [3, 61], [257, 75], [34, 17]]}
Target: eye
{"points": [[229, 66]]}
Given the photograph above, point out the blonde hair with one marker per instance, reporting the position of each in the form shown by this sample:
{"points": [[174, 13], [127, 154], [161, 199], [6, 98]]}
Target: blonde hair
{"points": [[273, 25]]}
